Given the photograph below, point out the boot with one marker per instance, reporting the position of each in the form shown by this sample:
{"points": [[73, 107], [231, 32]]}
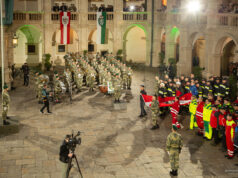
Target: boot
{"points": [[115, 101], [171, 172], [5, 122], [175, 172], [118, 101]]}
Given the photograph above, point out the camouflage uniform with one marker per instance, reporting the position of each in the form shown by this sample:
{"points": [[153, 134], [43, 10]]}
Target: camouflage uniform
{"points": [[155, 111], [5, 104], [117, 89], [129, 78], [79, 79], [124, 77], [57, 89], [174, 145]]}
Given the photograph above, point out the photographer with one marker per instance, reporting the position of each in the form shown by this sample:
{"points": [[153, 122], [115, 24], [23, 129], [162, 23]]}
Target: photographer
{"points": [[65, 155]]}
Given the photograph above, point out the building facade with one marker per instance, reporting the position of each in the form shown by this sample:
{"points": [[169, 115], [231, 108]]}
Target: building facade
{"points": [[142, 29]]}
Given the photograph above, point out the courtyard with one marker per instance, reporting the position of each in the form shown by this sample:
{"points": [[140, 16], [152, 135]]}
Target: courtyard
{"points": [[115, 143]]}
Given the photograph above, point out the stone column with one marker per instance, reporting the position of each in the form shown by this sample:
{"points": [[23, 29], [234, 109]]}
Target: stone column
{"points": [[184, 66], [117, 23], [84, 24]]}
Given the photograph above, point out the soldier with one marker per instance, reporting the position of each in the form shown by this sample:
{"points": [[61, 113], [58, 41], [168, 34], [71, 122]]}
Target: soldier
{"points": [[79, 79], [174, 146], [91, 79], [157, 85], [57, 89], [124, 76], [129, 78], [155, 110], [45, 95], [5, 104], [117, 88]]}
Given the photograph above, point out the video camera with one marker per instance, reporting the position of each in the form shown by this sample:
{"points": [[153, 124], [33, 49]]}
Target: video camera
{"points": [[74, 140]]}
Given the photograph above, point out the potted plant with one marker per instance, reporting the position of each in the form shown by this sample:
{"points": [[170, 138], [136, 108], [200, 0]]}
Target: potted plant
{"points": [[48, 64]]}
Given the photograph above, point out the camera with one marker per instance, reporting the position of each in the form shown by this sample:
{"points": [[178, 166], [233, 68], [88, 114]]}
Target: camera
{"points": [[73, 141]]}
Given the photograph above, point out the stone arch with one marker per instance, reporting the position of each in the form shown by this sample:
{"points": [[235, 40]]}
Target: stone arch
{"points": [[198, 44], [102, 48], [59, 50], [129, 53], [29, 47], [224, 50]]}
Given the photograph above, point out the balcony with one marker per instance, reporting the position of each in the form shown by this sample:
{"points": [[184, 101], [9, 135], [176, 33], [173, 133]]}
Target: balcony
{"points": [[27, 16], [135, 16], [227, 20], [92, 16], [56, 17]]}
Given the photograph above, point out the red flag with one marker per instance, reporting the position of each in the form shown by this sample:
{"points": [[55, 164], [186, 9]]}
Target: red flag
{"points": [[65, 27], [168, 101]]}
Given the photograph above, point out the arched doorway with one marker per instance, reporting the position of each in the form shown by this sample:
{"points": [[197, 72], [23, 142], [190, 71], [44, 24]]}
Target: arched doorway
{"points": [[93, 47], [59, 50], [29, 48], [226, 50], [135, 44], [198, 52]]}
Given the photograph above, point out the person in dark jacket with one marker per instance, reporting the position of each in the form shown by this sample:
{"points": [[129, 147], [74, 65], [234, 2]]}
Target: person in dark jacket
{"points": [[64, 155], [142, 102], [224, 89], [25, 69], [45, 95], [193, 89], [216, 87], [63, 8]]}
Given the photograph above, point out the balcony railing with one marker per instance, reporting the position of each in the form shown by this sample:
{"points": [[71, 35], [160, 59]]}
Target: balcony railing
{"points": [[22, 16], [93, 16], [135, 16], [227, 20], [56, 16]]}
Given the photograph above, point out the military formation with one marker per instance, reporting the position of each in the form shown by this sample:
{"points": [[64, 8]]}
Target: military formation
{"points": [[80, 71]]}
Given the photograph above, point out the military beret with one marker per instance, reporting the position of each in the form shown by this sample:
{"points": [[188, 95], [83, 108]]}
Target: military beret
{"points": [[236, 104], [213, 106], [40, 73], [142, 85], [55, 72], [236, 111], [5, 86], [175, 127]]}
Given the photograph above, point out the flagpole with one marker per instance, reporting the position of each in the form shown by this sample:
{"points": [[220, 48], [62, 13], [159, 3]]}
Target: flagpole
{"points": [[2, 51]]}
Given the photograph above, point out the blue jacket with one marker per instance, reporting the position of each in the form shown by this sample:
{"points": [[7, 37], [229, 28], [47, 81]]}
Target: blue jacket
{"points": [[194, 90]]}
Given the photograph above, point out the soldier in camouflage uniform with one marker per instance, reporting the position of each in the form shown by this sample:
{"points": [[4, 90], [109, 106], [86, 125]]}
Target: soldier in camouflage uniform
{"points": [[129, 78], [57, 89], [91, 79], [157, 85], [5, 104], [117, 88], [124, 76], [174, 145], [79, 79], [154, 115]]}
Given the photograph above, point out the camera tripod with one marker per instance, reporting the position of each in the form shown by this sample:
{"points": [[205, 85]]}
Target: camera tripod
{"points": [[70, 165]]}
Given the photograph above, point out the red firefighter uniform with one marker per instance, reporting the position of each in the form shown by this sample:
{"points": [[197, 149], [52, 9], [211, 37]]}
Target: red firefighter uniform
{"points": [[174, 110], [230, 132], [199, 117]]}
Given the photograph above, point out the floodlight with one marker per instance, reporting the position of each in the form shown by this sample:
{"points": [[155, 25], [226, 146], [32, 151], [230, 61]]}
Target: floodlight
{"points": [[193, 6]]}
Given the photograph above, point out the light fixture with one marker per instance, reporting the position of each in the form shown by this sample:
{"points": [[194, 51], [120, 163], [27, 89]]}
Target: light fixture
{"points": [[132, 8], [193, 6], [15, 40]]}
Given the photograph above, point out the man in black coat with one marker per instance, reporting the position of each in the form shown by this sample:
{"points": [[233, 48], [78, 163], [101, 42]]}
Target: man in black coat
{"points": [[25, 69], [142, 102]]}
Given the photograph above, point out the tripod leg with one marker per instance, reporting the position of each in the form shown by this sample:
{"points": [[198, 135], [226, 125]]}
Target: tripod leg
{"points": [[78, 166], [69, 167]]}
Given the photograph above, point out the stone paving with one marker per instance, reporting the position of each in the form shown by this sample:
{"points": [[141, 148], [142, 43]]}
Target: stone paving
{"points": [[115, 143]]}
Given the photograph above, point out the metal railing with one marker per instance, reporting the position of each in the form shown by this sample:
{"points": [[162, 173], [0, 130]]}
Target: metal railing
{"points": [[22, 16], [135, 16], [56, 16], [93, 16], [227, 20]]}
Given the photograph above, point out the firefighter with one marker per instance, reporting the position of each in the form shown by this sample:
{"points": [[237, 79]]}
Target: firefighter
{"points": [[192, 109], [230, 132], [207, 110]]}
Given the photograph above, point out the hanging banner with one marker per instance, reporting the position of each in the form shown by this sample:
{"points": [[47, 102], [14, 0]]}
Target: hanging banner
{"points": [[9, 5], [101, 27], [65, 27]]}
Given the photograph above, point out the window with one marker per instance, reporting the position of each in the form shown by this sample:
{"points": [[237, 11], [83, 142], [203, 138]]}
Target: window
{"points": [[31, 49], [90, 47], [61, 48]]}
